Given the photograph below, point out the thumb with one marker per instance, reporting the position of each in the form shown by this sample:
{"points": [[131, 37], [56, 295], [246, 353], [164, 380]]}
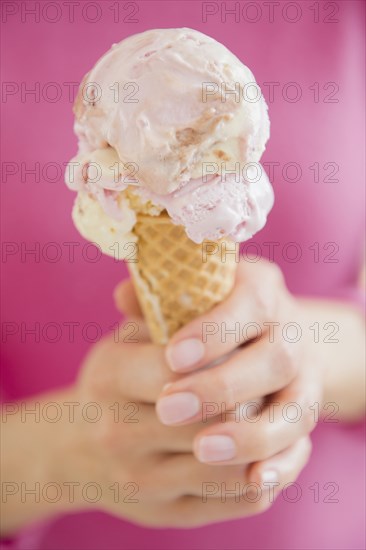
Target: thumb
{"points": [[125, 299]]}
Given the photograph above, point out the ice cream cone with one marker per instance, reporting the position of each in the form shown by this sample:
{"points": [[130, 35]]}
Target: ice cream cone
{"points": [[175, 166], [175, 279]]}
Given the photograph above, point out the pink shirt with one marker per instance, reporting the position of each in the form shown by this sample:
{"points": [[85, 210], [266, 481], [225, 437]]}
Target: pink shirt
{"points": [[311, 73]]}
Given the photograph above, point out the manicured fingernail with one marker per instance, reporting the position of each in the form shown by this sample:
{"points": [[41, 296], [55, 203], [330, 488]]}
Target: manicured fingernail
{"points": [[177, 407], [214, 448], [269, 476], [185, 354]]}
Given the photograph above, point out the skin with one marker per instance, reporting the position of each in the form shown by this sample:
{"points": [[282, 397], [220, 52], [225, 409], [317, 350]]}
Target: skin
{"points": [[163, 466]]}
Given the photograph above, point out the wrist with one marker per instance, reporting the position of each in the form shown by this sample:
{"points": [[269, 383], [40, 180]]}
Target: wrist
{"points": [[337, 353], [41, 460], [68, 462]]}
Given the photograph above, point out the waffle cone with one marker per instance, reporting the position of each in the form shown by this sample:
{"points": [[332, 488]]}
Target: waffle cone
{"points": [[176, 279]]}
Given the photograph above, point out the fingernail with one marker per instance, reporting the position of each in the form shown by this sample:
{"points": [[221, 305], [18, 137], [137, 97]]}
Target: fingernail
{"points": [[183, 355], [269, 476], [214, 448], [177, 407]]}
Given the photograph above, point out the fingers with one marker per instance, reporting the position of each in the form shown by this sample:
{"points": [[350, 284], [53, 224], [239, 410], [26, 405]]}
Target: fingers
{"points": [[285, 419], [238, 319], [181, 474], [194, 511], [137, 423], [260, 368], [213, 494], [142, 373], [198, 494], [127, 303], [133, 331], [165, 439], [134, 371], [251, 493], [126, 300], [282, 468]]}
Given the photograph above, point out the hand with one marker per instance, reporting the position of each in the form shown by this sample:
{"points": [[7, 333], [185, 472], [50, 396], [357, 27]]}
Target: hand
{"points": [[255, 360], [157, 460], [171, 487], [144, 471]]}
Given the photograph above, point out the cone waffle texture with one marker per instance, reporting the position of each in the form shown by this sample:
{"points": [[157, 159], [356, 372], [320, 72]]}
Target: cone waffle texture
{"points": [[176, 279]]}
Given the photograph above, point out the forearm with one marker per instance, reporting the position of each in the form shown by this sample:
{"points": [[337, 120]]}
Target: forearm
{"points": [[342, 362], [35, 461]]}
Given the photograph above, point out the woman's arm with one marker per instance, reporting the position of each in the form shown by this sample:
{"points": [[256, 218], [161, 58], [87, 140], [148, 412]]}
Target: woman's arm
{"points": [[338, 342], [35, 459]]}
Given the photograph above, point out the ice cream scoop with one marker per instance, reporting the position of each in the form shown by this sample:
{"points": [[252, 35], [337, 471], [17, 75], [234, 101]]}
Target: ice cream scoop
{"points": [[169, 100], [224, 206], [155, 111]]}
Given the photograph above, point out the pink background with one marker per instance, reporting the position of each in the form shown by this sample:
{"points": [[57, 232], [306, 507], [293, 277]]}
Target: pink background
{"points": [[305, 212]]}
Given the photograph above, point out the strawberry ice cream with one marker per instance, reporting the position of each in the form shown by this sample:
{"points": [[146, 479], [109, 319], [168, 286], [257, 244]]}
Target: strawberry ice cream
{"points": [[151, 116]]}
